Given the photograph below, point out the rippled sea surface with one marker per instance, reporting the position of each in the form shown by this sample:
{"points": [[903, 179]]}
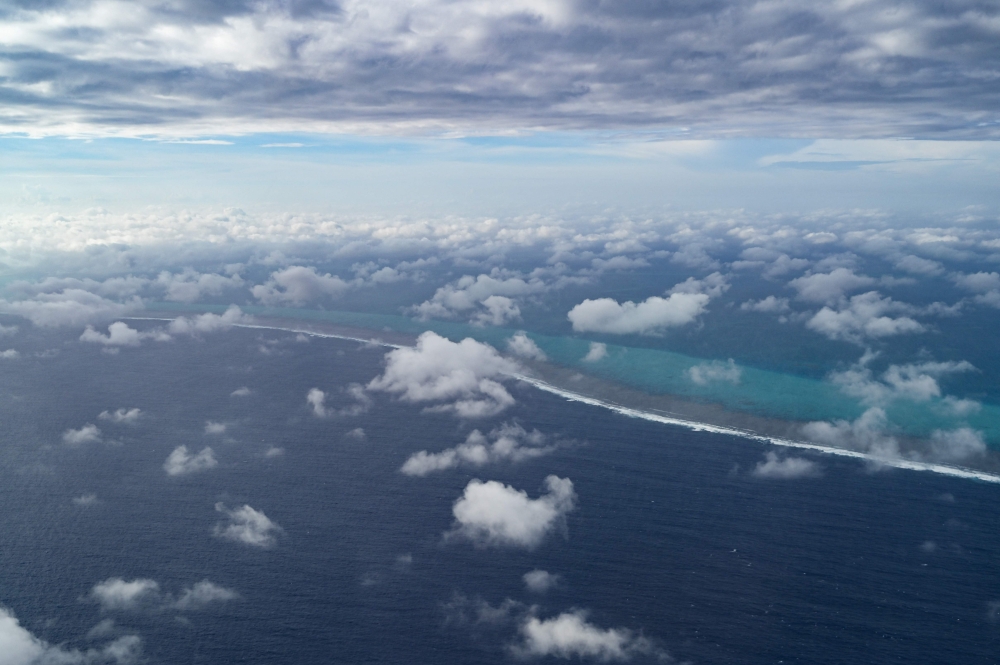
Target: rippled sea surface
{"points": [[672, 535]]}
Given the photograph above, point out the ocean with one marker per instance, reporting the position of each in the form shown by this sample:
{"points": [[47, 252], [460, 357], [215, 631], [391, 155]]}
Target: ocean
{"points": [[673, 536]]}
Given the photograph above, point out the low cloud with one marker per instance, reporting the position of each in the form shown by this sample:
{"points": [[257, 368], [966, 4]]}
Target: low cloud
{"points": [[21, 647], [316, 398], [917, 382], [684, 303], [497, 311], [916, 265], [362, 402], [869, 433], [298, 285], [957, 445], [980, 282], [181, 462], [986, 286], [87, 434], [770, 304], [209, 323], [248, 526], [122, 416], [493, 514], [357, 434], [463, 375], [117, 595], [70, 307], [864, 316], [650, 317], [829, 287], [509, 442], [524, 347], [10, 354], [191, 286], [490, 299], [786, 468], [212, 427], [540, 581], [571, 635], [120, 334], [716, 370], [202, 595], [240, 392], [597, 351]]}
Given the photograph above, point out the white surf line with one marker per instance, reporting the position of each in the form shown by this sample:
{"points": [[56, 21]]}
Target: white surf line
{"points": [[374, 341], [693, 425]]}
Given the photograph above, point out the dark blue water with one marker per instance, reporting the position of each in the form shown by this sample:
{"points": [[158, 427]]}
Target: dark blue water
{"points": [[672, 535]]}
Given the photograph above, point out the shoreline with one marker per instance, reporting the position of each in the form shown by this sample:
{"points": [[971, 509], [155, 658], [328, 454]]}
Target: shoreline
{"points": [[357, 335]]}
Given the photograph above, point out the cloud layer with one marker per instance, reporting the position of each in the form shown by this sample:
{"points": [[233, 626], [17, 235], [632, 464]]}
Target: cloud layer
{"points": [[736, 67]]}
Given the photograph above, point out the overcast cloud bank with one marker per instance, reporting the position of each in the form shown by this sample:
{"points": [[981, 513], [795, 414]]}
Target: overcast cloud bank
{"points": [[733, 68]]}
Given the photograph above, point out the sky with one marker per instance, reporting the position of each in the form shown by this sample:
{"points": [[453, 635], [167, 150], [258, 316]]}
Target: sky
{"points": [[480, 108]]}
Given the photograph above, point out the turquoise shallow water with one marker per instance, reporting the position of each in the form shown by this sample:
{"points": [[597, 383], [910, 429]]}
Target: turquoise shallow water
{"points": [[656, 371]]}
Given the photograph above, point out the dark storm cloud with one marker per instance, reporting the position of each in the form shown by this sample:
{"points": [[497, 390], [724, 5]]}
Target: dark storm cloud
{"points": [[722, 68]]}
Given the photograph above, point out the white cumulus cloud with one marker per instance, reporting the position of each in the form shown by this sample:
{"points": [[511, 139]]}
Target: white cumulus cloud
{"points": [[248, 526], [831, 286], [570, 635], [869, 433], [298, 285], [123, 415], [463, 374], [508, 442], [523, 346], [70, 307], [597, 351], [539, 581], [706, 373], [865, 315], [181, 463], [316, 398], [649, 317], [770, 304], [493, 514], [117, 594], [120, 334], [208, 323], [202, 594], [190, 286], [86, 434], [19, 646], [785, 468], [915, 381], [497, 311], [957, 445], [494, 295]]}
